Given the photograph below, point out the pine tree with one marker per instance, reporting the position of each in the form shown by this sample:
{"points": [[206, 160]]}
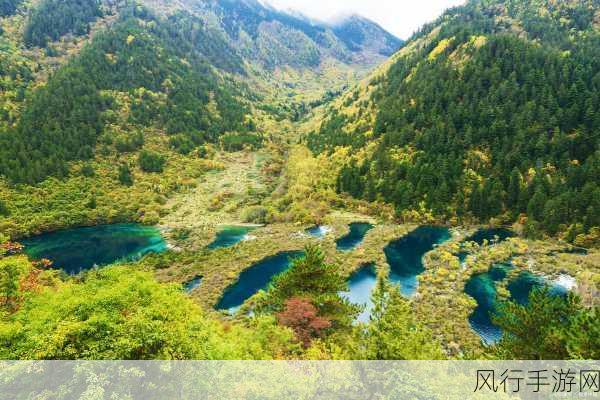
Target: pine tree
{"points": [[392, 333], [514, 189], [312, 278], [125, 176]]}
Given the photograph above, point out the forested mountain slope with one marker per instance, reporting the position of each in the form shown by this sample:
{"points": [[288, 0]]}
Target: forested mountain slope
{"points": [[274, 39], [166, 65], [490, 112], [142, 72]]}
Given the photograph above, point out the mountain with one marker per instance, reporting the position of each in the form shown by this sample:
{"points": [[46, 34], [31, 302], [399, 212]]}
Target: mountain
{"points": [[274, 38], [141, 72], [489, 113], [363, 35], [167, 63]]}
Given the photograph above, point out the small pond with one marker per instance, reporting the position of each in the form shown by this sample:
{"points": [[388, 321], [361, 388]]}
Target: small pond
{"points": [[256, 278], [492, 235], [360, 289], [230, 236], [80, 249], [405, 256], [319, 231], [482, 287], [192, 284], [358, 231]]}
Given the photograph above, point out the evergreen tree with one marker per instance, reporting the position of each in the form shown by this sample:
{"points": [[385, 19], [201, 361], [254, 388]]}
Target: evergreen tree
{"points": [[310, 277], [393, 333], [151, 162], [549, 327], [125, 176]]}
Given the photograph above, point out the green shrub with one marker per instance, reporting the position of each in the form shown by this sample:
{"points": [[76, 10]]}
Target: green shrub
{"points": [[256, 215], [125, 176], [151, 162]]}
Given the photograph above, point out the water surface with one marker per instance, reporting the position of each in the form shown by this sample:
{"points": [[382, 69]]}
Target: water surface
{"points": [[360, 289], [229, 236], [256, 278], [492, 235], [358, 231], [482, 287], [319, 231], [405, 256], [80, 249], [192, 284]]}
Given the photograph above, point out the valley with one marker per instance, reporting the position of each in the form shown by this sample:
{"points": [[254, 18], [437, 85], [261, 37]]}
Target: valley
{"points": [[213, 177]]}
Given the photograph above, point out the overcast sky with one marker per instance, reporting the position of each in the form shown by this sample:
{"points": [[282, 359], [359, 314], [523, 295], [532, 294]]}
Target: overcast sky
{"points": [[401, 17]]}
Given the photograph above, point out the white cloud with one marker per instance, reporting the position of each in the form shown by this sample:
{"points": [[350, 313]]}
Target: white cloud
{"points": [[401, 17]]}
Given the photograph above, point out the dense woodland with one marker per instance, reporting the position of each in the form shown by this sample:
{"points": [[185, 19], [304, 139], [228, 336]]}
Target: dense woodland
{"points": [[480, 123], [8, 7], [166, 85], [53, 19]]}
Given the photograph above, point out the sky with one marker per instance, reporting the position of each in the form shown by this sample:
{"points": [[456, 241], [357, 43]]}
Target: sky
{"points": [[400, 17]]}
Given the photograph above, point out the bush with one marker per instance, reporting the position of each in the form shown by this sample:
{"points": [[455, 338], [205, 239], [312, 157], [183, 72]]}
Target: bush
{"points": [[125, 175], [4, 211], [237, 142], [255, 215], [88, 171], [128, 144], [151, 162]]}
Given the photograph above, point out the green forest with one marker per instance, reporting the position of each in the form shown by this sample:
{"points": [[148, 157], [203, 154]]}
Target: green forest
{"points": [[167, 85], [9, 7], [510, 129], [53, 19]]}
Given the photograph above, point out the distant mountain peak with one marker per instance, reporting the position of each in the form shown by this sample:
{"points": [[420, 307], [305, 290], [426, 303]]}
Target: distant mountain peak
{"points": [[361, 33]]}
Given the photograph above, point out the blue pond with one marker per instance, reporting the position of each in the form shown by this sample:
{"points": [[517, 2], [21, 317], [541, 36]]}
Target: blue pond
{"points": [[360, 288], [482, 287], [492, 235], [358, 231], [319, 231], [81, 249], [193, 284], [405, 256], [255, 278], [230, 236]]}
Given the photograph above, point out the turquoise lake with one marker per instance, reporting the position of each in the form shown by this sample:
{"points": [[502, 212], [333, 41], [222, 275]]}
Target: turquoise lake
{"points": [[230, 236], [80, 249], [405, 256], [482, 287], [358, 231], [360, 289], [257, 277]]}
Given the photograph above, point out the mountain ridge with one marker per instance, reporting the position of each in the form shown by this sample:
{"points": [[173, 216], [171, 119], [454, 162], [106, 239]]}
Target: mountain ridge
{"points": [[435, 130]]}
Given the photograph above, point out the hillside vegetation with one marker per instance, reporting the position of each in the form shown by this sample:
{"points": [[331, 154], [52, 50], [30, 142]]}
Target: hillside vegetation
{"points": [[127, 78], [199, 117], [490, 113]]}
